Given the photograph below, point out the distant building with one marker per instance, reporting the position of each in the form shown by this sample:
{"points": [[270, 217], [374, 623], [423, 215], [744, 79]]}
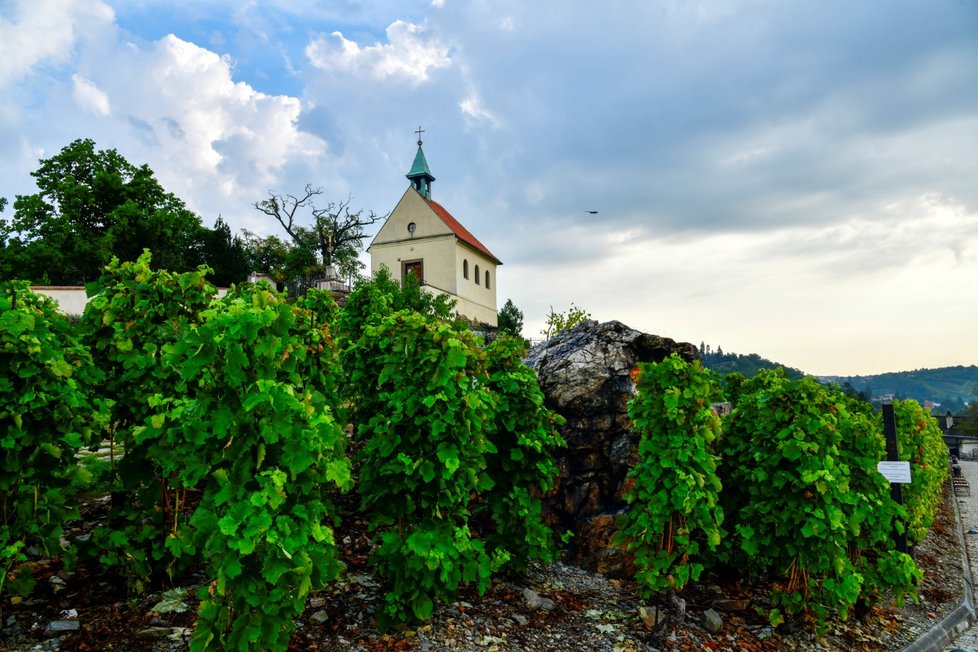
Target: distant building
{"points": [[959, 443], [421, 237]]}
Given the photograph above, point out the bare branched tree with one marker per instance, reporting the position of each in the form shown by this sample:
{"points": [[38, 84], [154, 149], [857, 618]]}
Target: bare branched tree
{"points": [[336, 234]]}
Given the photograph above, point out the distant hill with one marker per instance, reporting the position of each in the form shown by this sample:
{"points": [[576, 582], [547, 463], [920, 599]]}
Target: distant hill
{"points": [[952, 387], [747, 365]]}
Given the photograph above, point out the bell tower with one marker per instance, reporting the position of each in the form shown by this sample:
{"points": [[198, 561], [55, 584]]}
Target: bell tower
{"points": [[420, 176]]}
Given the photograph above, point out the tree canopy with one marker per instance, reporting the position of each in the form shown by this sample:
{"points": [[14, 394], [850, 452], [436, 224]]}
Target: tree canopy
{"points": [[333, 238], [93, 205], [510, 319], [562, 321]]}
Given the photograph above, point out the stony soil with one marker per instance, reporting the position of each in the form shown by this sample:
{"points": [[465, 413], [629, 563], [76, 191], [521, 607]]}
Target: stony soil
{"points": [[558, 607]]}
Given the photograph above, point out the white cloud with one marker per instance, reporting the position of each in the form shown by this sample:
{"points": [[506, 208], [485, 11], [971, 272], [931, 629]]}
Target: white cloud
{"points": [[826, 299], [44, 31], [792, 180], [408, 54], [90, 96], [472, 107], [215, 142]]}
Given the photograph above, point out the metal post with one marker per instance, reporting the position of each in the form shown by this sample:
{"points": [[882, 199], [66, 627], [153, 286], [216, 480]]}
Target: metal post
{"points": [[893, 455]]}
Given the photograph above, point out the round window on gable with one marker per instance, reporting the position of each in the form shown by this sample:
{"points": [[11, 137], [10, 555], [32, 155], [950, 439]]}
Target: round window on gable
{"points": [[412, 227]]}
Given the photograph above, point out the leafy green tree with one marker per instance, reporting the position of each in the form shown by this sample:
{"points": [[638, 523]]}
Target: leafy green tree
{"points": [[268, 255], [8, 257], [969, 423], [510, 319], [334, 233], [92, 205], [226, 255], [850, 391], [560, 321]]}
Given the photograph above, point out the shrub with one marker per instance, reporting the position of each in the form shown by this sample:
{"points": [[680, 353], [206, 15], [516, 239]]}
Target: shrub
{"points": [[254, 428], [47, 414], [522, 435], [811, 509], [922, 445], [674, 495], [135, 313], [425, 408]]}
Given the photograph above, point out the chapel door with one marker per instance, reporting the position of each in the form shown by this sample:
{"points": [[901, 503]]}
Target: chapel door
{"points": [[413, 267]]}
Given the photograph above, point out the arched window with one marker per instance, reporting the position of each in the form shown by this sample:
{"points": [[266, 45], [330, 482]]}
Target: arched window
{"points": [[476, 274], [487, 279], [465, 269]]}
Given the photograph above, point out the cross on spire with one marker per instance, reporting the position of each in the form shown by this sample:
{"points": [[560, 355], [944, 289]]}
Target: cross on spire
{"points": [[420, 176]]}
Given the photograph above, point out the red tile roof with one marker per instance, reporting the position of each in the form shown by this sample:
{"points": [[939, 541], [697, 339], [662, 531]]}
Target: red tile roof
{"points": [[460, 231]]}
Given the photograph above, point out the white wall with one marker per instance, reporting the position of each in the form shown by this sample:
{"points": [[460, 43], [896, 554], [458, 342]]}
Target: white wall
{"points": [[71, 299]]}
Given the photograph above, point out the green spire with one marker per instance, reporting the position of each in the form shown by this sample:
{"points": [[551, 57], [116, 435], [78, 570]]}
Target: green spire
{"points": [[420, 175]]}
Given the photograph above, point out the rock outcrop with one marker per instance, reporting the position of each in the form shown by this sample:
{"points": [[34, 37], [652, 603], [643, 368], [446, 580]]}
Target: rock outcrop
{"points": [[586, 375]]}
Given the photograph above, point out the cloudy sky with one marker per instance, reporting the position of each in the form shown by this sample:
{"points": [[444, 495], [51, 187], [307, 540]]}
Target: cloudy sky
{"points": [[795, 179]]}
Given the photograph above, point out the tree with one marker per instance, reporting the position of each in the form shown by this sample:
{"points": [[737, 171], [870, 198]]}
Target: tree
{"points": [[969, 423], [279, 259], [336, 234], [92, 205], [225, 254], [559, 321], [510, 319], [6, 269]]}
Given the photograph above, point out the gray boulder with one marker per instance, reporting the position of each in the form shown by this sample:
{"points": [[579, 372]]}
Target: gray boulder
{"points": [[586, 376]]}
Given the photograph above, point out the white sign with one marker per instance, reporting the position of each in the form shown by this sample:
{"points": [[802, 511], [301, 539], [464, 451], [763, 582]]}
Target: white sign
{"points": [[895, 471]]}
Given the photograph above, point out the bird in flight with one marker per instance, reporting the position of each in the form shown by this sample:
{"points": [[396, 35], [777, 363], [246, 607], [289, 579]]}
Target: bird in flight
{"points": [[592, 212]]}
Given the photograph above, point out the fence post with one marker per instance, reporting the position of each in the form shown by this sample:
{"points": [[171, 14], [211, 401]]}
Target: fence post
{"points": [[893, 455]]}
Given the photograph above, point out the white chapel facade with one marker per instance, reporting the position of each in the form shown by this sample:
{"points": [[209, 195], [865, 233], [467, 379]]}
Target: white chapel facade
{"points": [[420, 237]]}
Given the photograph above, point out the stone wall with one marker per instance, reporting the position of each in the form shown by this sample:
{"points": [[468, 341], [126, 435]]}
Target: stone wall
{"points": [[586, 375]]}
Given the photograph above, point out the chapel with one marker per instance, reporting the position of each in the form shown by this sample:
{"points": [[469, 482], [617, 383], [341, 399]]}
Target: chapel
{"points": [[421, 237]]}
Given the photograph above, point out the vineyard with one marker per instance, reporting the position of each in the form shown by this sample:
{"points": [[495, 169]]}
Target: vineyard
{"points": [[248, 437]]}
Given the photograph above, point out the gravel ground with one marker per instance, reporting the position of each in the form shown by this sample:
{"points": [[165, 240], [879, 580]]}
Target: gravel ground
{"points": [[551, 608], [968, 508]]}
